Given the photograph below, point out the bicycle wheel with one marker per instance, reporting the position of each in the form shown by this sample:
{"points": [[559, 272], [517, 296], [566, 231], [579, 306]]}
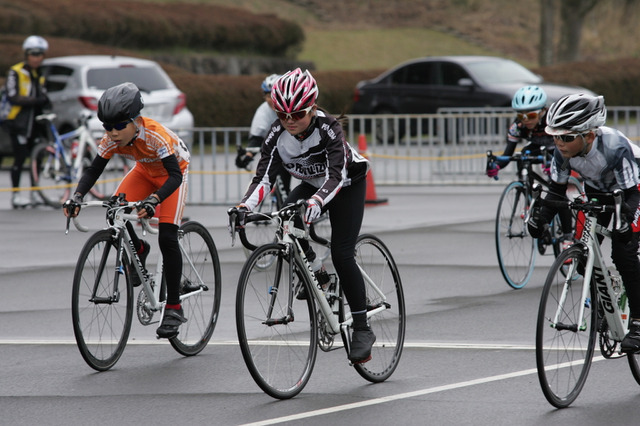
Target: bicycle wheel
{"points": [[50, 175], [634, 364], [110, 178], [263, 231], [199, 289], [574, 190], [383, 287], [279, 352], [101, 310], [322, 226], [514, 246], [564, 347]]}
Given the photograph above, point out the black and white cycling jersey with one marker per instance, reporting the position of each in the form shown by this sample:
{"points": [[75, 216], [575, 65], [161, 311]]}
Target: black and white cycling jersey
{"points": [[609, 165], [323, 158]]}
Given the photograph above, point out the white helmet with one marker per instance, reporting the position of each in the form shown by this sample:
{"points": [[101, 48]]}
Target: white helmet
{"points": [[35, 43], [268, 82], [576, 114]]}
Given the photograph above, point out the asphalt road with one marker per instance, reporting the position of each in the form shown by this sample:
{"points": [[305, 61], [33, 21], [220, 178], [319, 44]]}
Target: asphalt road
{"points": [[468, 359]]}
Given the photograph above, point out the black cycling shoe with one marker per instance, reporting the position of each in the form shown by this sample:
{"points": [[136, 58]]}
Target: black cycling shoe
{"points": [[135, 279], [361, 343], [171, 321], [631, 342]]}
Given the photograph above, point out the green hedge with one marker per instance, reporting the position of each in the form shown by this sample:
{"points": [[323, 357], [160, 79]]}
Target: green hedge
{"points": [[140, 25], [230, 101]]}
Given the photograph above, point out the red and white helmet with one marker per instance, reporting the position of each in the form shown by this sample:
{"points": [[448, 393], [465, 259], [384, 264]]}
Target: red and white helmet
{"points": [[294, 91]]}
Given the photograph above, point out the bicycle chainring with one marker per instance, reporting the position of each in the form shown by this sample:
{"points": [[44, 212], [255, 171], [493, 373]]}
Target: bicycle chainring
{"points": [[325, 339], [607, 345], [145, 315]]}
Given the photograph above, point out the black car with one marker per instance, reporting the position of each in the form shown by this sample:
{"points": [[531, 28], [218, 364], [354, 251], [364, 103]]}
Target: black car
{"points": [[422, 86]]}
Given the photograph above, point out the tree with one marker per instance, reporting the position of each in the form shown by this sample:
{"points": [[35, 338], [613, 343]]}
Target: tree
{"points": [[572, 15], [547, 31]]}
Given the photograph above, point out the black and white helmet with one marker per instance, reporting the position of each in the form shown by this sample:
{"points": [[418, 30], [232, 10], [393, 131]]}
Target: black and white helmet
{"points": [[120, 103], [576, 114]]}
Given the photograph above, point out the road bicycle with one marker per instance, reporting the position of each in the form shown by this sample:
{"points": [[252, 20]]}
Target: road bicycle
{"points": [[57, 164], [279, 334], [578, 305], [515, 248], [103, 294], [262, 231]]}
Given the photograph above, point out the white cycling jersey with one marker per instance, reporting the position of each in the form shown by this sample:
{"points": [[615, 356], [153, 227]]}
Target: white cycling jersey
{"points": [[610, 164]]}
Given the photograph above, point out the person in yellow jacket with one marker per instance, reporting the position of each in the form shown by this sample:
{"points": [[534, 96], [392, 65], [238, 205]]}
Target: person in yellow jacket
{"points": [[27, 94]]}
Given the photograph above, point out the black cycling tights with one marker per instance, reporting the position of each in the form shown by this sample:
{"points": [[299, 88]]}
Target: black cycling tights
{"points": [[171, 260], [346, 210], [171, 257], [20, 154]]}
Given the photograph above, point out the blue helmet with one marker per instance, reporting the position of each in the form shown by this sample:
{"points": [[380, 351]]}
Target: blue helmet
{"points": [[529, 98]]}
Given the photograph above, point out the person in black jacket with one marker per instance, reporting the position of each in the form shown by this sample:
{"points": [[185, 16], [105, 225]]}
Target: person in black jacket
{"points": [[27, 95]]}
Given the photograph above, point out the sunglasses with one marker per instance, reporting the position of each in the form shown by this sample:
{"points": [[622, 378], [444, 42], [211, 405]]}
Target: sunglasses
{"points": [[567, 138], [531, 115], [118, 126], [295, 116], [35, 52]]}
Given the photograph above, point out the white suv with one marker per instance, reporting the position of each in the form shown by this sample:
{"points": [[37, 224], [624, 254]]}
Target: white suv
{"points": [[75, 83]]}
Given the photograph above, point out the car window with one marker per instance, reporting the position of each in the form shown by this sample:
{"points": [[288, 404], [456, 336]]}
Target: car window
{"points": [[490, 72], [147, 79], [418, 73], [57, 77], [451, 73]]}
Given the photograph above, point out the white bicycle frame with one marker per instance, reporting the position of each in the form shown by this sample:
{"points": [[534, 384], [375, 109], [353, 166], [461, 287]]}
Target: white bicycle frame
{"points": [[614, 302], [152, 292], [290, 236]]}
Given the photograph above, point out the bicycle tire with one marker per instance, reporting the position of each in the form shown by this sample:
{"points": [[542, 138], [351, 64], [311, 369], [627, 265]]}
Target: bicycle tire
{"points": [[634, 364], [514, 246], [101, 329], [322, 227], [377, 263], [280, 355], [200, 271], [564, 354], [263, 232], [574, 189], [51, 176], [110, 178]]}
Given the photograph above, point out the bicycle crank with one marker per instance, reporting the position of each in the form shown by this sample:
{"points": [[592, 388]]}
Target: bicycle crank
{"points": [[325, 339], [145, 315]]}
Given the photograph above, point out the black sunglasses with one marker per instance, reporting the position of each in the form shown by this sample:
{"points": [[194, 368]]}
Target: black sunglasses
{"points": [[118, 126]]}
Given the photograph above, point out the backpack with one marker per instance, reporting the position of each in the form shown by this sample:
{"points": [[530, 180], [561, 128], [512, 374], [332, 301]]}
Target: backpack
{"points": [[5, 105]]}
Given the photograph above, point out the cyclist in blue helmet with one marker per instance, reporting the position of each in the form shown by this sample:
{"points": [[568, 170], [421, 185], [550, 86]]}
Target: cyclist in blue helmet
{"points": [[530, 105]]}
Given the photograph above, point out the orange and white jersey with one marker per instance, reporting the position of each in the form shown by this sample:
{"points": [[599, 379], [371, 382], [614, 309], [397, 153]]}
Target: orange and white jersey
{"points": [[153, 143]]}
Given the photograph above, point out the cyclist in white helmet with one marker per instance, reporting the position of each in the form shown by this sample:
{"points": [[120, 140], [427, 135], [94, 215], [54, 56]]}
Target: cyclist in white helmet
{"points": [[311, 146], [604, 158], [263, 118], [530, 105], [28, 96]]}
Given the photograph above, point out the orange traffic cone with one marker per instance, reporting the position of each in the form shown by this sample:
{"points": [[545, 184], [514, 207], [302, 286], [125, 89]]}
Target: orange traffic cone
{"points": [[371, 196]]}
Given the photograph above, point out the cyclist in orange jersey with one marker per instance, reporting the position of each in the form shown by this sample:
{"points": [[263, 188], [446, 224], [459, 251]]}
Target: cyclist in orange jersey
{"points": [[158, 179]]}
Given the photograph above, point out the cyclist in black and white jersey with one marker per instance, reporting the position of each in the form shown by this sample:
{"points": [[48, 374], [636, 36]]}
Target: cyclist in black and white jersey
{"points": [[604, 158], [310, 144], [530, 105]]}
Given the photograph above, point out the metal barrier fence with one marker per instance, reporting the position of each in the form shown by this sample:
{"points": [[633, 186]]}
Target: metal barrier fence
{"points": [[415, 149]]}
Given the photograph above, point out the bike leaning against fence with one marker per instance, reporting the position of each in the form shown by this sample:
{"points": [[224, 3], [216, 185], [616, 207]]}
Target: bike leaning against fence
{"points": [[103, 291], [57, 164], [279, 333], [515, 248], [582, 300]]}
